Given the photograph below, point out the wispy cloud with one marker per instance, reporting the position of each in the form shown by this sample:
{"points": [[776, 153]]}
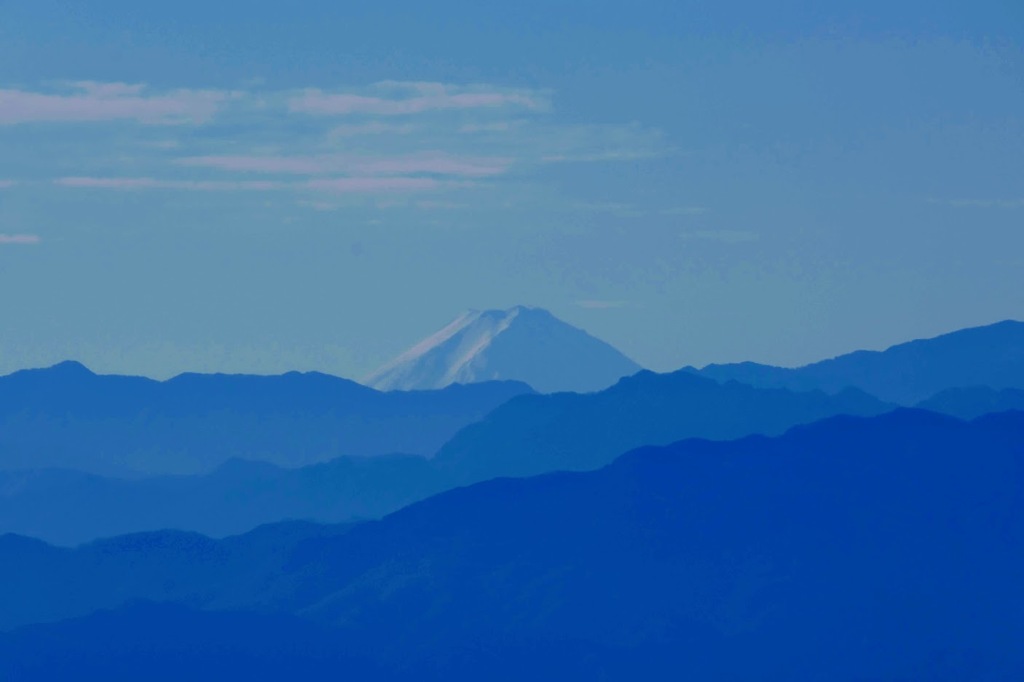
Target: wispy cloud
{"points": [[407, 98], [89, 101], [401, 137], [22, 239], [373, 185], [341, 185], [603, 155], [155, 183], [430, 164], [7, 184]]}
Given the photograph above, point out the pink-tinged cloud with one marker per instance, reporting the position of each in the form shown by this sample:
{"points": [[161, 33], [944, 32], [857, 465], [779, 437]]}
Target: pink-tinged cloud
{"points": [[7, 184], [418, 98], [24, 239], [373, 185], [428, 164], [368, 185], [154, 183], [93, 102]]}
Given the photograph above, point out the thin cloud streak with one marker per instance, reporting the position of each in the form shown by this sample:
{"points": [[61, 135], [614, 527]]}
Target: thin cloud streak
{"points": [[97, 102], [367, 185], [373, 185], [431, 164], [419, 98], [371, 153], [437, 165], [154, 183], [20, 239], [611, 155]]}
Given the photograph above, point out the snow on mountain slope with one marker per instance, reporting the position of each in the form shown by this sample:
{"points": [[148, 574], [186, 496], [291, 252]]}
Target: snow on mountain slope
{"points": [[522, 343]]}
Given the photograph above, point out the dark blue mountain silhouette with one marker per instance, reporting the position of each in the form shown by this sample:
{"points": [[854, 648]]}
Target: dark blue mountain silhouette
{"points": [[968, 403], [172, 643], [45, 583], [526, 436], [850, 549], [908, 373], [67, 417]]}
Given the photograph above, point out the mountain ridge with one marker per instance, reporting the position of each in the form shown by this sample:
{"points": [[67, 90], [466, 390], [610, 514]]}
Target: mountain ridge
{"points": [[532, 434], [527, 434], [906, 566], [905, 373], [66, 416]]}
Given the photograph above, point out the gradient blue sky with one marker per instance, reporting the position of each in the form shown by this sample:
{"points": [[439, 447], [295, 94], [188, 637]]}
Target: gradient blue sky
{"points": [[317, 185]]}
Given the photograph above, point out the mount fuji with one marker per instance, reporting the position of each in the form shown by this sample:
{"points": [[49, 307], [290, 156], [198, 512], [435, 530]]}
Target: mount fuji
{"points": [[521, 343]]}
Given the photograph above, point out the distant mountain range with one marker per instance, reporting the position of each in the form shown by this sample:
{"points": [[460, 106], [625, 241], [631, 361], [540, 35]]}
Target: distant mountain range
{"points": [[534, 434], [528, 434], [85, 456], [878, 548], [163, 565], [520, 344], [907, 373], [68, 507], [68, 417], [968, 403]]}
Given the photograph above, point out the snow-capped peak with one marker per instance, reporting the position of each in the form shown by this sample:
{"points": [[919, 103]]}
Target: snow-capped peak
{"points": [[521, 343]]}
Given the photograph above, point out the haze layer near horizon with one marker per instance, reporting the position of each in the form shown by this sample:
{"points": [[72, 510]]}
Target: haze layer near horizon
{"points": [[316, 186]]}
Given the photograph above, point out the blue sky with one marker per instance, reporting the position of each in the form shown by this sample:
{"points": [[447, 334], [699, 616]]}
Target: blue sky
{"points": [[317, 185]]}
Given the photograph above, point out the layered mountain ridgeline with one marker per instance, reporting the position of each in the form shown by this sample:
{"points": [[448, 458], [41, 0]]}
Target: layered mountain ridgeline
{"points": [[67, 417], [528, 435], [175, 566], [908, 373], [521, 343], [535, 434], [853, 548], [71, 507], [968, 403]]}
